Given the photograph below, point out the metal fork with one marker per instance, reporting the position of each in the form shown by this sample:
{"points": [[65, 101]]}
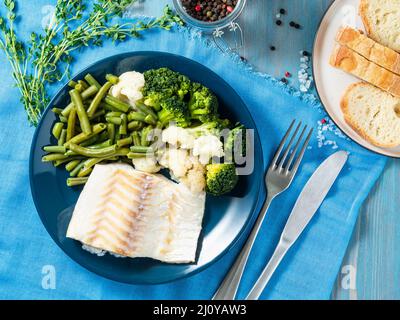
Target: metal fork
{"points": [[277, 179]]}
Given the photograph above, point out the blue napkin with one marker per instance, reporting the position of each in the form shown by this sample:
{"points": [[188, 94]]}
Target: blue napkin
{"points": [[28, 256]]}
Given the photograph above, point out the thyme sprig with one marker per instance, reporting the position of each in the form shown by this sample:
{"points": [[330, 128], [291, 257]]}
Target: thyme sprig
{"points": [[46, 57]]}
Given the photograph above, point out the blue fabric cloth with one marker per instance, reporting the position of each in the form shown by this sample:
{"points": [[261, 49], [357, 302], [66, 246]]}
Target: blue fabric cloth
{"points": [[307, 272]]}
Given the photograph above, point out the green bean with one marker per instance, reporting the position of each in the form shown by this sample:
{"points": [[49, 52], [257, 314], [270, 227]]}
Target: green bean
{"points": [[71, 182], [114, 120], [92, 81], [72, 165], [132, 155], [63, 119], [68, 159], [120, 105], [76, 170], [113, 79], [136, 138], [134, 125], [108, 107], [81, 112], [62, 138], [85, 172], [55, 149], [124, 142], [150, 120], [72, 84], [141, 149], [103, 136], [103, 144], [71, 124], [79, 87], [57, 110], [96, 129], [97, 99], [57, 129], [136, 116], [90, 141], [97, 114], [145, 136], [83, 84], [114, 114], [146, 110], [53, 157], [89, 92], [94, 153], [123, 126], [111, 131]]}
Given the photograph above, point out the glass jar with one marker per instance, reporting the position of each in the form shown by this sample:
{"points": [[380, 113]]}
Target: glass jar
{"points": [[217, 29]]}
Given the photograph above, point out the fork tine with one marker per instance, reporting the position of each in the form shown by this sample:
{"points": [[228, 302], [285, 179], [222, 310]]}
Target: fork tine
{"points": [[301, 154], [281, 145], [282, 161], [295, 149]]}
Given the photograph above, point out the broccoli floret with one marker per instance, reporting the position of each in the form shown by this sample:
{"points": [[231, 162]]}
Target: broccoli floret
{"points": [[221, 178], [235, 142], [203, 104], [174, 110], [163, 83], [213, 127]]}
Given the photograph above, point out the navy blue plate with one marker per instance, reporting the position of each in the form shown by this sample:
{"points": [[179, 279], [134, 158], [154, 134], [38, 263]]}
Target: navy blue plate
{"points": [[225, 217]]}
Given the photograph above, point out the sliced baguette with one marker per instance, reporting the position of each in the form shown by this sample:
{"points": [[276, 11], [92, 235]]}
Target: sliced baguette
{"points": [[352, 62], [374, 114], [370, 49], [381, 19]]}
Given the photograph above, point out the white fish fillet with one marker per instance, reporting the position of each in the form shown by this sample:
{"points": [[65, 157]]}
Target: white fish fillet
{"points": [[136, 214]]}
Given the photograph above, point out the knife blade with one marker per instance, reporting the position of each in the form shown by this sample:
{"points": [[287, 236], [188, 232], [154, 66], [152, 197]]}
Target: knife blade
{"points": [[307, 204]]}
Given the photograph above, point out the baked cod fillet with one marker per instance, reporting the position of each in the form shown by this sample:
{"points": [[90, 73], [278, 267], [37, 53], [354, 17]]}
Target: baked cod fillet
{"points": [[136, 214]]}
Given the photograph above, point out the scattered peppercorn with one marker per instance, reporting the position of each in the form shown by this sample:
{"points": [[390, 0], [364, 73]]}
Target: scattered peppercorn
{"points": [[209, 11], [284, 80], [243, 59], [297, 26], [282, 11], [272, 48], [305, 53], [323, 121], [278, 22], [288, 74], [292, 24]]}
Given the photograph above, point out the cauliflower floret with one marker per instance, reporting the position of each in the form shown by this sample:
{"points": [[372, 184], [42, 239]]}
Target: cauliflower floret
{"points": [[129, 88], [195, 178], [176, 160], [178, 137], [184, 168], [206, 147], [146, 164]]}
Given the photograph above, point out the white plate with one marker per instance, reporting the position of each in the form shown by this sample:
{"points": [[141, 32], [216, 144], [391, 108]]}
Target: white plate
{"points": [[331, 83]]}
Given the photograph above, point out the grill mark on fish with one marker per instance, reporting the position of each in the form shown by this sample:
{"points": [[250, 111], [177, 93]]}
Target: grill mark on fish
{"points": [[100, 218]]}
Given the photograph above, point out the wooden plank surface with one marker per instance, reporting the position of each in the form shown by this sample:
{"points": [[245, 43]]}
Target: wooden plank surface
{"points": [[371, 269]]}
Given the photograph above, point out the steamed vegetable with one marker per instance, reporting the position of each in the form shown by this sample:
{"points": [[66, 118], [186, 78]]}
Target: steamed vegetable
{"points": [[221, 178]]}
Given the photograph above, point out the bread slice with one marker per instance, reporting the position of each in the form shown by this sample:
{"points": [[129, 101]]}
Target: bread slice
{"points": [[381, 19], [374, 114], [370, 49], [354, 63]]}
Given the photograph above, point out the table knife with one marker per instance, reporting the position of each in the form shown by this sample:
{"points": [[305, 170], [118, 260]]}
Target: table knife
{"points": [[307, 204]]}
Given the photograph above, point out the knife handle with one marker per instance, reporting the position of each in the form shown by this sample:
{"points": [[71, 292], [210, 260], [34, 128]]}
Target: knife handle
{"points": [[268, 271], [230, 285]]}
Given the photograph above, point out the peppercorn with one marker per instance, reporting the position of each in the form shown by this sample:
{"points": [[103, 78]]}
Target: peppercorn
{"points": [[209, 11], [282, 11], [272, 48], [278, 22]]}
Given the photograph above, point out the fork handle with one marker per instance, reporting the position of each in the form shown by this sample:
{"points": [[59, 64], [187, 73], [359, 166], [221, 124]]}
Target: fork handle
{"points": [[230, 285]]}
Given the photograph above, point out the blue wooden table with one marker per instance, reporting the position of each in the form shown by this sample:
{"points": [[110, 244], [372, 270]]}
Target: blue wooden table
{"points": [[371, 269]]}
